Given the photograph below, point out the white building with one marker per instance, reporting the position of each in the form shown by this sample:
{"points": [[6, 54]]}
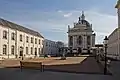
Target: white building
{"points": [[114, 44], [52, 47], [16, 40], [114, 38], [81, 37]]}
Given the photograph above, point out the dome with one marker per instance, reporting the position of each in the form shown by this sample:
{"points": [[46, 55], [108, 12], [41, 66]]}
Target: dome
{"points": [[85, 22]]}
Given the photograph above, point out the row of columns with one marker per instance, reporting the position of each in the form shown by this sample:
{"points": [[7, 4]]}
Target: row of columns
{"points": [[84, 41]]}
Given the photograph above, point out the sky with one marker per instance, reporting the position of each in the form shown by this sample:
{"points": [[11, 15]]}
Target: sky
{"points": [[51, 17]]}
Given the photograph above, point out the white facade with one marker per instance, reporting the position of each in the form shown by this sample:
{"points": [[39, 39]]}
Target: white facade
{"points": [[114, 44], [114, 38], [51, 47], [81, 36], [15, 41]]}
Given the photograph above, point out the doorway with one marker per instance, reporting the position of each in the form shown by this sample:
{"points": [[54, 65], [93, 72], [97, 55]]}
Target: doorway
{"points": [[79, 50]]}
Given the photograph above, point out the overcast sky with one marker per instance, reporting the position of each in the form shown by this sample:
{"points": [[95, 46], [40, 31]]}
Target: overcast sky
{"points": [[51, 17]]}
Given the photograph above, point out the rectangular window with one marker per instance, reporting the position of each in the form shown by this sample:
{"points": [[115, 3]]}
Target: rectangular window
{"points": [[35, 40], [39, 51], [31, 50], [12, 50], [13, 36], [39, 41], [26, 50], [42, 50], [27, 39], [31, 39], [4, 34], [42, 42], [5, 49], [20, 37], [35, 51]]}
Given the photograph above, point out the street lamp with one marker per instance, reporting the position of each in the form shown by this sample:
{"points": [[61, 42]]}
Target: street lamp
{"points": [[105, 44]]}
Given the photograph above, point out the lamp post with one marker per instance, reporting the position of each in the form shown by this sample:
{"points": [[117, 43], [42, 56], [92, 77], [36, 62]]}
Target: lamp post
{"points": [[98, 54], [105, 44]]}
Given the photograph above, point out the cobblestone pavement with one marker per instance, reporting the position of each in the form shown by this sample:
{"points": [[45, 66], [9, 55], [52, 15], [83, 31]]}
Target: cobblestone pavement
{"points": [[45, 61], [16, 74], [87, 68], [86, 65], [115, 69]]}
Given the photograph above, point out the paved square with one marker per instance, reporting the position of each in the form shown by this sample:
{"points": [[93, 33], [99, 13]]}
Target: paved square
{"points": [[87, 68]]}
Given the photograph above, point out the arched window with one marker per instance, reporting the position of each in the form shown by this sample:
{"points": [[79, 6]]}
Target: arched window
{"points": [[12, 49], [88, 40], [26, 50], [21, 37], [35, 51], [39, 51], [31, 50], [4, 34], [71, 40], [35, 40], [4, 49], [27, 39], [21, 51], [79, 40], [39, 41], [13, 36], [31, 39]]}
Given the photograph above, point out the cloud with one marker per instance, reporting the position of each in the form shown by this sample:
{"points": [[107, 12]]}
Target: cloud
{"points": [[67, 15], [53, 25], [60, 11]]}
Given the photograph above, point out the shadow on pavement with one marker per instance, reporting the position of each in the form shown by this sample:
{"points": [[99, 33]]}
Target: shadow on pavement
{"points": [[87, 66]]}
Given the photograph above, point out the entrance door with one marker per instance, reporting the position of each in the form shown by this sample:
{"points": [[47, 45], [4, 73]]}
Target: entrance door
{"points": [[79, 50], [88, 50]]}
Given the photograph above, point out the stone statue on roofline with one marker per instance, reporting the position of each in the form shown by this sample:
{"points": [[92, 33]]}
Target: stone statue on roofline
{"points": [[118, 4]]}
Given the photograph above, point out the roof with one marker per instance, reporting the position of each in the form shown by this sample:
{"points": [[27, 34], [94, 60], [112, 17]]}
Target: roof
{"points": [[118, 4], [19, 27], [115, 30], [86, 22]]}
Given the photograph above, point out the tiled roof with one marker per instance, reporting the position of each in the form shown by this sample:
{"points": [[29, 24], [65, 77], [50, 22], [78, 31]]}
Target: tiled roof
{"points": [[18, 27]]}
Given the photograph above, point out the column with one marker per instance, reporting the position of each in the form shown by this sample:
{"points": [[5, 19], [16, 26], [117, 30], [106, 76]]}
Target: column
{"points": [[86, 41], [77, 45], [91, 44], [82, 44], [73, 42], [83, 41], [68, 41]]}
